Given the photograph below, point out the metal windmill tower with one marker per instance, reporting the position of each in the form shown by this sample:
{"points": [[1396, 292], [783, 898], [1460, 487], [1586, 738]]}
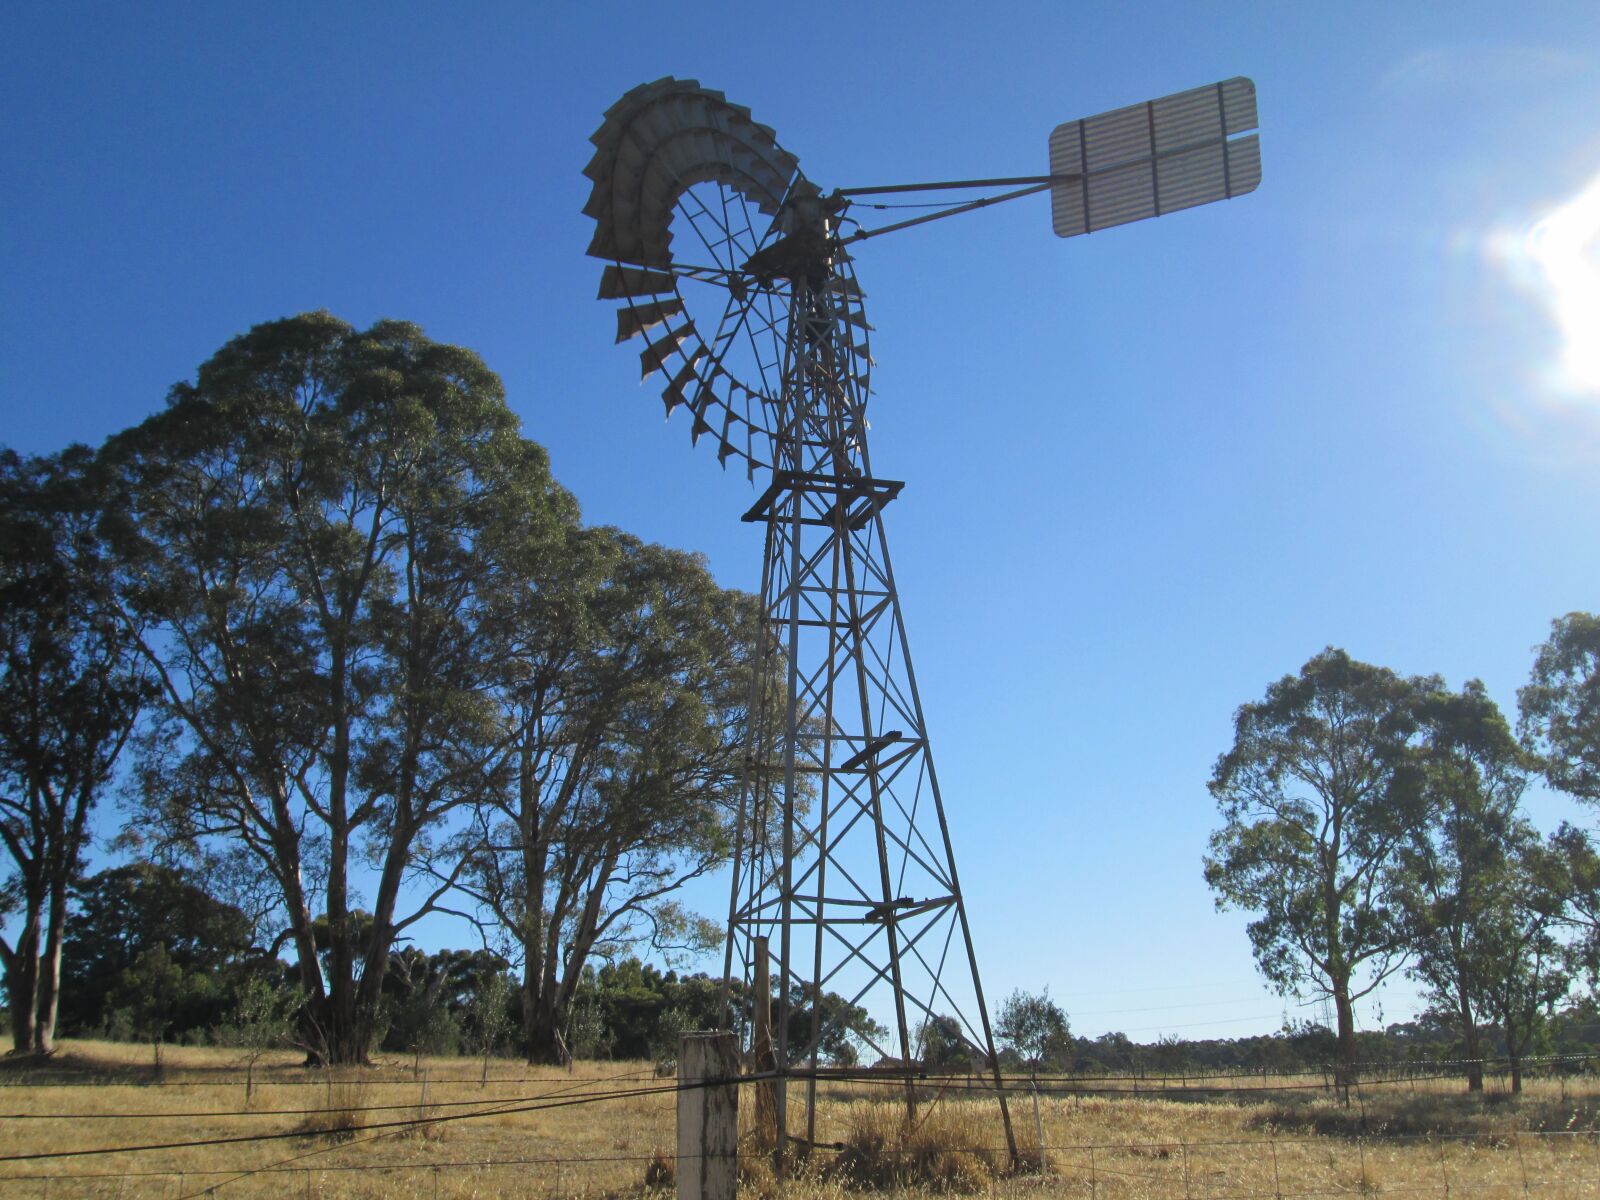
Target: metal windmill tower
{"points": [[737, 273]]}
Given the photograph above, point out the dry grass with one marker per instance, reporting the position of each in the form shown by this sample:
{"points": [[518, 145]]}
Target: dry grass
{"points": [[1098, 1148], [946, 1148], [342, 1115], [374, 1153]]}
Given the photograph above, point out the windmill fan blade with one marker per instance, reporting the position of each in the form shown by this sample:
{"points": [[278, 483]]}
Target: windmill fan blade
{"points": [[701, 402], [673, 392], [618, 282], [654, 355], [1155, 158], [637, 318]]}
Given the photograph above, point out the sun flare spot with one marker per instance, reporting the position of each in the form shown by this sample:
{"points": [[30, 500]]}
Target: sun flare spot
{"points": [[1563, 251]]}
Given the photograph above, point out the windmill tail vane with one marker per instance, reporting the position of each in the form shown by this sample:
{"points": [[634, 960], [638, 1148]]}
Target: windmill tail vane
{"points": [[736, 272]]}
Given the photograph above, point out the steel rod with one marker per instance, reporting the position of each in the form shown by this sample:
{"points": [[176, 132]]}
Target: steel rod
{"points": [[950, 184], [949, 212]]}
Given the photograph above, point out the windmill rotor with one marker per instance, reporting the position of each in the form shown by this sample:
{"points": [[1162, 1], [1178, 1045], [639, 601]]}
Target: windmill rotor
{"points": [[694, 202]]}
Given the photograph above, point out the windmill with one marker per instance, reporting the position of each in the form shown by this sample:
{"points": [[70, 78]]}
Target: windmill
{"points": [[737, 273]]}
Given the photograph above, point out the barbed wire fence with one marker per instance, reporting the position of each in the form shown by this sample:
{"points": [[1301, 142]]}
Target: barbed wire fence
{"points": [[1563, 1162], [1096, 1170]]}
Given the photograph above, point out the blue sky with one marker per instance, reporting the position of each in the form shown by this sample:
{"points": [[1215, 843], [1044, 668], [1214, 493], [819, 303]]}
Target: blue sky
{"points": [[1148, 471]]}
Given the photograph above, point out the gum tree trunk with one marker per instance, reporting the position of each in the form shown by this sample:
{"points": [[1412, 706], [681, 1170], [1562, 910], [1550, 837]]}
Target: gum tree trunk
{"points": [[22, 985], [1345, 1074]]}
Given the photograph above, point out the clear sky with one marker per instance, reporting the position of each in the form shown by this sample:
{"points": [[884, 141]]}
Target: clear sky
{"points": [[1148, 471]]}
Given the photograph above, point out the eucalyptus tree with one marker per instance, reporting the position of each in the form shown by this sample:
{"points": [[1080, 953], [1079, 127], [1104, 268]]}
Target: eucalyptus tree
{"points": [[1560, 706], [1461, 869], [623, 698], [1035, 1028], [307, 533], [1573, 849], [151, 951], [1531, 962], [1560, 724], [1319, 794], [70, 693]]}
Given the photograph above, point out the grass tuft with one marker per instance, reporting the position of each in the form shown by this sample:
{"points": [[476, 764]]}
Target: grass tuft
{"points": [[341, 1117], [661, 1171], [943, 1150]]}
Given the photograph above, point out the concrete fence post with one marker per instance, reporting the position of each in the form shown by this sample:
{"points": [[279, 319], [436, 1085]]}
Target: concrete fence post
{"points": [[708, 1116]]}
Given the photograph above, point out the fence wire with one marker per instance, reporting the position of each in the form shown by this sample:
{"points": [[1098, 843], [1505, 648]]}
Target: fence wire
{"points": [[1100, 1170], [1089, 1172]]}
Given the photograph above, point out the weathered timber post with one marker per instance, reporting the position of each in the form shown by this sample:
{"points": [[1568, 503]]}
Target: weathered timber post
{"points": [[762, 1059], [708, 1116], [1038, 1128]]}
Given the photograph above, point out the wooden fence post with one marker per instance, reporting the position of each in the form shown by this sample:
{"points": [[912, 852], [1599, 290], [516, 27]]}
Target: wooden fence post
{"points": [[762, 1058], [1038, 1128], [708, 1116]]}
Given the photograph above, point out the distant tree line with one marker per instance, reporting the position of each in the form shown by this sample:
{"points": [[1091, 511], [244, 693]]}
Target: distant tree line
{"points": [[152, 956], [1571, 1036], [358, 661], [1373, 823]]}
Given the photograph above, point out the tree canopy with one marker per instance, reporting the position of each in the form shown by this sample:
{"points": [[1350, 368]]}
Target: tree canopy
{"points": [[1560, 706], [622, 704], [309, 532], [1035, 1029], [150, 953], [1318, 794], [1459, 867], [70, 693], [394, 670]]}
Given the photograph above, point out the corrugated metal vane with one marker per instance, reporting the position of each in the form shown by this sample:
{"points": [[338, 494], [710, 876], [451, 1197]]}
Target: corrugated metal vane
{"points": [[1154, 158], [618, 282], [656, 142], [637, 318]]}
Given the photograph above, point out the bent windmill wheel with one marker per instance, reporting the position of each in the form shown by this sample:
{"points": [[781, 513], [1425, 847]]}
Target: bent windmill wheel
{"points": [[688, 188]]}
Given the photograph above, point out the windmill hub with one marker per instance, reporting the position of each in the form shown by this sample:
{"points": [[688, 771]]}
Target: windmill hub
{"points": [[809, 248]]}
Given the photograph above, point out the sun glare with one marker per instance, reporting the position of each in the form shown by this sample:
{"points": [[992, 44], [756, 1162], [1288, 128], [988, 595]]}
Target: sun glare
{"points": [[1564, 250]]}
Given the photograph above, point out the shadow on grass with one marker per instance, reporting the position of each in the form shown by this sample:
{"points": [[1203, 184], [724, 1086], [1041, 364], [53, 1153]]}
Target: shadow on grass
{"points": [[68, 1067], [136, 1065], [1485, 1114]]}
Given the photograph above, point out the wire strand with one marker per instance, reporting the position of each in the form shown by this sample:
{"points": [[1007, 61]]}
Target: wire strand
{"points": [[1147, 1146]]}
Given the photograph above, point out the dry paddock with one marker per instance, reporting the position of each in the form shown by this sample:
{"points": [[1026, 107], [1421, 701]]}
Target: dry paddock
{"points": [[438, 1127]]}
